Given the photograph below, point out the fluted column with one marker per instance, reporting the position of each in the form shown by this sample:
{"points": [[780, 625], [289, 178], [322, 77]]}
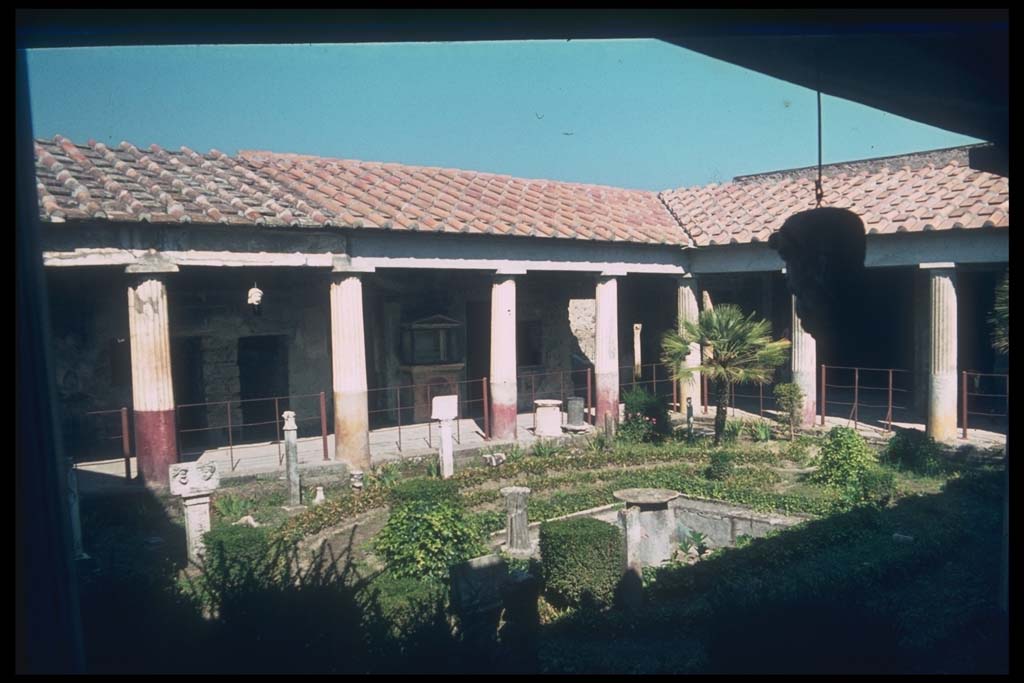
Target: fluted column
{"points": [[348, 365], [503, 379], [156, 446], [687, 309], [942, 384], [804, 364], [606, 351]]}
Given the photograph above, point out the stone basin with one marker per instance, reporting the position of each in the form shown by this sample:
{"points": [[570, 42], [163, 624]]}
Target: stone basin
{"points": [[646, 499]]}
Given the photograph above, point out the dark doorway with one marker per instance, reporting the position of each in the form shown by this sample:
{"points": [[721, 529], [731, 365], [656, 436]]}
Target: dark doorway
{"points": [[262, 376], [478, 351], [187, 379]]}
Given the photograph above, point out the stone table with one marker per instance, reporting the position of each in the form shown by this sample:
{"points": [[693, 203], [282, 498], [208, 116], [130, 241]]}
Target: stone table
{"points": [[547, 417]]}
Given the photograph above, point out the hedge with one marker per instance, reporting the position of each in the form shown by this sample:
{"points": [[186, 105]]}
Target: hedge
{"points": [[582, 561]]}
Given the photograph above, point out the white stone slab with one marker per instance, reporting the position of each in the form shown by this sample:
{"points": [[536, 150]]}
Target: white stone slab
{"points": [[193, 478]]}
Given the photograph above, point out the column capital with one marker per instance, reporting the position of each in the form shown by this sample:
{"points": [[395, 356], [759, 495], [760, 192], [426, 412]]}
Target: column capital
{"points": [[612, 273], [342, 263], [152, 262], [938, 265], [509, 272]]}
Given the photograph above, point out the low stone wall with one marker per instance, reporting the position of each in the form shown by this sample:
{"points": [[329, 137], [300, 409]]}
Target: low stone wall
{"points": [[721, 522]]}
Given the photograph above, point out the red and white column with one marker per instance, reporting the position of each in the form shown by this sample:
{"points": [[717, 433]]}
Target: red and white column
{"points": [[942, 344], [804, 364], [348, 365], [503, 379], [156, 445], [606, 351]]}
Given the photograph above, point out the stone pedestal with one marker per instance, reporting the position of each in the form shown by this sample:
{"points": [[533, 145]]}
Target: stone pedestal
{"points": [[503, 382], [348, 364], [942, 379], [445, 409], [687, 311], [517, 525], [194, 482], [804, 365], [547, 415], [156, 445], [648, 525], [606, 361], [291, 449]]}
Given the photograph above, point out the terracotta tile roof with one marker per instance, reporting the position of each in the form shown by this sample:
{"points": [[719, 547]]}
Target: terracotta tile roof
{"points": [[81, 182], [889, 199]]}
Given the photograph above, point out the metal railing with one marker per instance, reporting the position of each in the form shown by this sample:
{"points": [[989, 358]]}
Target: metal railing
{"points": [[654, 378], [122, 435], [570, 383], [313, 412], [993, 400], [407, 405], [891, 383]]}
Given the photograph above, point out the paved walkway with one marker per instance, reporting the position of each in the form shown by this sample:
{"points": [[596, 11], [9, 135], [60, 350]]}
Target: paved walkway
{"points": [[422, 440]]}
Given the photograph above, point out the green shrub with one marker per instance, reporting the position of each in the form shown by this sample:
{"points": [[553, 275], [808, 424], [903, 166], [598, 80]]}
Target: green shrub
{"points": [[387, 475], [877, 485], [790, 399], [543, 448], [424, 490], [845, 458], [721, 465], [239, 554], [425, 538], [732, 431], [914, 451], [646, 417], [581, 561], [231, 507], [759, 430]]}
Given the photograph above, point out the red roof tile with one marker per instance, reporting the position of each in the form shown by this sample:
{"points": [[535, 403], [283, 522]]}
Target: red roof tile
{"points": [[932, 197]]}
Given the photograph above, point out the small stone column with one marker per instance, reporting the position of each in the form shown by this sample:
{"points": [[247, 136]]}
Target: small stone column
{"points": [[804, 364], [156, 444], [517, 524], [687, 311], [291, 450], [503, 380], [942, 379], [606, 345], [445, 409], [348, 363], [194, 482]]}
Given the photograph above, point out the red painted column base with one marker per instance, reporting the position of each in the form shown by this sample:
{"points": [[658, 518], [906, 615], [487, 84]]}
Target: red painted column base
{"points": [[156, 445], [503, 421]]}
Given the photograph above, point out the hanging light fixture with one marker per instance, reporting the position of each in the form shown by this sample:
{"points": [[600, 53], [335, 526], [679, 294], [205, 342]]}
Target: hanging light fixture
{"points": [[824, 250], [255, 298]]}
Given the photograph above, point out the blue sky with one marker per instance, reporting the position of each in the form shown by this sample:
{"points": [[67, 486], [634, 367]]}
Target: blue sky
{"points": [[630, 113]]}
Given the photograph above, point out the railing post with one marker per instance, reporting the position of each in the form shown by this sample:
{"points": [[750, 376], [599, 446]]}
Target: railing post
{"points": [[126, 448], [760, 400], [323, 423], [487, 410], [963, 397], [398, 411], [888, 427], [823, 394], [277, 429], [675, 396], [231, 446], [732, 398], [704, 393], [856, 382], [590, 416]]}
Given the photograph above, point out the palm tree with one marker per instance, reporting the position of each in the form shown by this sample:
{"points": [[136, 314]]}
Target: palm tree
{"points": [[738, 348]]}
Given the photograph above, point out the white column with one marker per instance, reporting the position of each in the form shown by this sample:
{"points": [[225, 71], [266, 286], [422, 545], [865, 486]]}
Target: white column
{"points": [[804, 364], [606, 345], [687, 310], [348, 363], [152, 386], [942, 344], [503, 379]]}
